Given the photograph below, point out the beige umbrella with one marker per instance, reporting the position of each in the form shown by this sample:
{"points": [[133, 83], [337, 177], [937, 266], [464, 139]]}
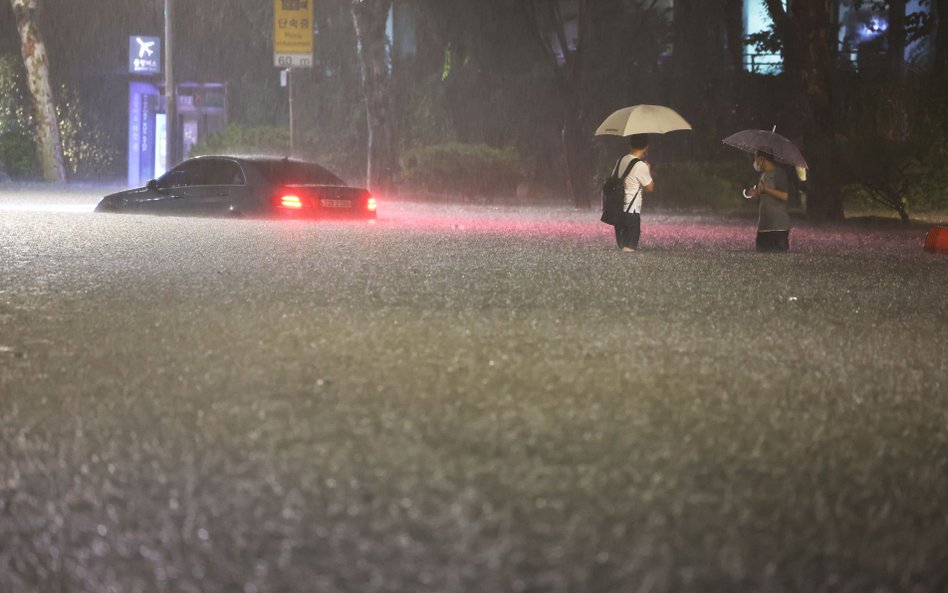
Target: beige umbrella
{"points": [[642, 119]]}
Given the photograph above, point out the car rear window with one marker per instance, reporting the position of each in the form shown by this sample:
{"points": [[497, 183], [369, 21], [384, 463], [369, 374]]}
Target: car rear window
{"points": [[296, 173]]}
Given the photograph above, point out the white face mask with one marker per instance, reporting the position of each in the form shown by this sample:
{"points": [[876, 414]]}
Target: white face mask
{"points": [[757, 167]]}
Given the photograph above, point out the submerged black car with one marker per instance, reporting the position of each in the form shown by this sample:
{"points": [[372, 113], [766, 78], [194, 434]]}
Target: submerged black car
{"points": [[243, 186]]}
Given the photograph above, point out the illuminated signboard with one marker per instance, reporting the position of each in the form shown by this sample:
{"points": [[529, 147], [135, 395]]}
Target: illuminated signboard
{"points": [[144, 55], [143, 106]]}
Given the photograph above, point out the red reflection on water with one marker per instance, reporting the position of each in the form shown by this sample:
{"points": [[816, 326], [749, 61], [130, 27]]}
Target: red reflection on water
{"points": [[660, 232]]}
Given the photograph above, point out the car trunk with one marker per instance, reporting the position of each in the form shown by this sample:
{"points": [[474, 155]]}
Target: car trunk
{"points": [[324, 201]]}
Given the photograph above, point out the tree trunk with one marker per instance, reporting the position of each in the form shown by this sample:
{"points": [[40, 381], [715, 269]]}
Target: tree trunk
{"points": [[824, 202], [49, 146], [577, 145], [896, 58], [370, 18], [807, 40], [701, 31], [576, 141], [903, 215], [734, 28], [896, 36], [702, 69], [941, 38], [684, 43], [577, 153], [786, 28]]}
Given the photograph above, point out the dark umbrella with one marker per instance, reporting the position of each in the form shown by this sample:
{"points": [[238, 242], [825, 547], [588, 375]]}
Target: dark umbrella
{"points": [[771, 142]]}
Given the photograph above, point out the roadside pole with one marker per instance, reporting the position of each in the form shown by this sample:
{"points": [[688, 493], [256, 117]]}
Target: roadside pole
{"points": [[171, 101], [292, 47], [289, 85]]}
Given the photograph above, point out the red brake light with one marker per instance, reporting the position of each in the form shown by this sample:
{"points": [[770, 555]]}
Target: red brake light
{"points": [[372, 205], [291, 201]]}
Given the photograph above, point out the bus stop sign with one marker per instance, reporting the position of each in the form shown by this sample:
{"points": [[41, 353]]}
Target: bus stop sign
{"points": [[144, 55], [293, 33]]}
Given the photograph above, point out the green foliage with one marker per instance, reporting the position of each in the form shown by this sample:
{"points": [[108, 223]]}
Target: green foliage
{"points": [[259, 102], [465, 169], [928, 170], [333, 132], [18, 155], [425, 113], [238, 139], [909, 176], [700, 186], [896, 158], [88, 151], [14, 112], [17, 150], [877, 170]]}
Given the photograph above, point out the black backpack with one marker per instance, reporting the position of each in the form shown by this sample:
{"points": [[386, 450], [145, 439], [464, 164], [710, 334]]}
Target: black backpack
{"points": [[613, 195]]}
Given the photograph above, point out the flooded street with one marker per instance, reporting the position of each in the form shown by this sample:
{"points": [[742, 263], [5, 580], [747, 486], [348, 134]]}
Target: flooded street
{"points": [[466, 399]]}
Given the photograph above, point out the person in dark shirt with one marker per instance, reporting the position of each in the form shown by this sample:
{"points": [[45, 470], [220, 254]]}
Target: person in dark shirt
{"points": [[773, 193]]}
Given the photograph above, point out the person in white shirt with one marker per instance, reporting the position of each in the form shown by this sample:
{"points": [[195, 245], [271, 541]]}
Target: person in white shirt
{"points": [[637, 184]]}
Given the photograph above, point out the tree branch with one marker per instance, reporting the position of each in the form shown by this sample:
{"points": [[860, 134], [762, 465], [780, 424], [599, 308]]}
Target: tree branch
{"points": [[529, 7], [781, 19]]}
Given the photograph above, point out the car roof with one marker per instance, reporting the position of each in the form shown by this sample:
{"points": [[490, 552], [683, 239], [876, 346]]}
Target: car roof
{"points": [[263, 162], [253, 158]]}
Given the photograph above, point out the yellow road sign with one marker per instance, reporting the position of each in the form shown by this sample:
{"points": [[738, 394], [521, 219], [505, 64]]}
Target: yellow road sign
{"points": [[293, 33]]}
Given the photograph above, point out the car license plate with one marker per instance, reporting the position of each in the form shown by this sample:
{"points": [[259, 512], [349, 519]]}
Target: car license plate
{"points": [[336, 203]]}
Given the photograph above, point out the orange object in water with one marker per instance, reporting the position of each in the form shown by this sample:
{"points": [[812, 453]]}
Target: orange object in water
{"points": [[937, 241]]}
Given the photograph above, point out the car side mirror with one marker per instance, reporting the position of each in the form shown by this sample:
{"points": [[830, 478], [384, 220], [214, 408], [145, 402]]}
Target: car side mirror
{"points": [[152, 185]]}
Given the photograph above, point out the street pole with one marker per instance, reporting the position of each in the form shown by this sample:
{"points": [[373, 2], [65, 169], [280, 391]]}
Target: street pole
{"points": [[289, 84], [171, 101]]}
